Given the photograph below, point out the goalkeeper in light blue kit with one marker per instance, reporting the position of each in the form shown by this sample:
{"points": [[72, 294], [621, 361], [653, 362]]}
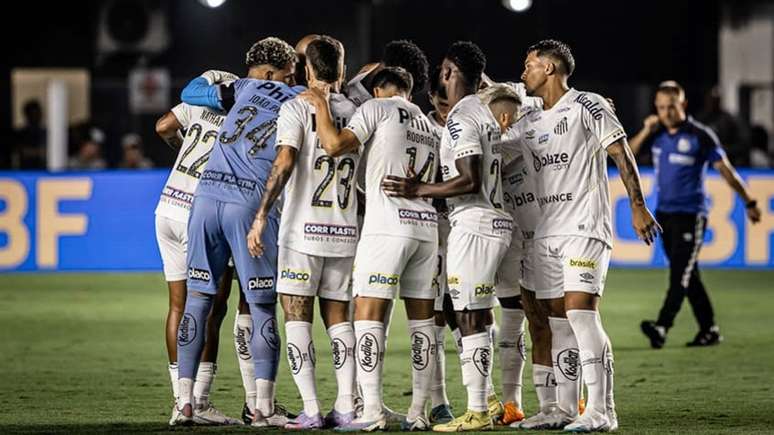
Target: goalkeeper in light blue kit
{"points": [[222, 215]]}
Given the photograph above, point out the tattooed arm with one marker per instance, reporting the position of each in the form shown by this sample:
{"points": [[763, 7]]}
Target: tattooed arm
{"points": [[644, 224], [168, 128], [280, 173]]}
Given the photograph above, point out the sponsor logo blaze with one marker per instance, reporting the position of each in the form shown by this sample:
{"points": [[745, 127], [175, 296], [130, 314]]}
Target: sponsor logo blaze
{"points": [[420, 350], [269, 333], [260, 283], [368, 352], [339, 353], [198, 274], [557, 161], [383, 280], [568, 362], [482, 358], [295, 359], [186, 332], [243, 337], [294, 275]]}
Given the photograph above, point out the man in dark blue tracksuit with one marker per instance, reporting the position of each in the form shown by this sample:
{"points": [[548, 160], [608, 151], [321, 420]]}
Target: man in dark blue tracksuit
{"points": [[682, 149]]}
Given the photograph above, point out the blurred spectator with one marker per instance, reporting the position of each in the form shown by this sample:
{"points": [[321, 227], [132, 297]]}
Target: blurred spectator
{"points": [[89, 154], [133, 157], [30, 152], [759, 148], [730, 130]]}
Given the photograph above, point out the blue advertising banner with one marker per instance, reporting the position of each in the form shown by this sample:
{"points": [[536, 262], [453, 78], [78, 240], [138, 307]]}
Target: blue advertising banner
{"points": [[104, 221]]}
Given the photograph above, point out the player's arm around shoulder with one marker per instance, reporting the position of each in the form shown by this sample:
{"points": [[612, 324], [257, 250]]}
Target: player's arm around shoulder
{"points": [[168, 128], [333, 141]]}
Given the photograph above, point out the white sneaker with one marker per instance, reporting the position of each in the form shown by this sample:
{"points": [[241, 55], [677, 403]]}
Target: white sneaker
{"points": [[591, 421], [275, 420], [553, 418], [208, 415], [421, 423], [613, 418], [182, 419], [175, 414]]}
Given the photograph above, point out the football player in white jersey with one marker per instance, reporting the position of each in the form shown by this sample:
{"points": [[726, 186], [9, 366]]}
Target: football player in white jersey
{"points": [[397, 250], [440, 410], [481, 228], [401, 53], [318, 235], [201, 127], [566, 145]]}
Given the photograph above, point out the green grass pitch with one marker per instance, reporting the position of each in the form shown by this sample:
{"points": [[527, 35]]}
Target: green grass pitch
{"points": [[85, 353]]}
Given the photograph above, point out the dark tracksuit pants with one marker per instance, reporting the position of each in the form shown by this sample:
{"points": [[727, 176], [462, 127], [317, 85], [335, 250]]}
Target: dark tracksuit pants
{"points": [[682, 238]]}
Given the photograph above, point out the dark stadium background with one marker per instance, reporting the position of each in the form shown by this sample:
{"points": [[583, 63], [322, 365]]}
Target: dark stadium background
{"points": [[623, 48]]}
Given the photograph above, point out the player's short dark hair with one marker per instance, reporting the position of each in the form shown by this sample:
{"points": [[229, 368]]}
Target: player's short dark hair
{"points": [[396, 76], [435, 79], [271, 51], [557, 50], [407, 55], [469, 59], [671, 87], [324, 55]]}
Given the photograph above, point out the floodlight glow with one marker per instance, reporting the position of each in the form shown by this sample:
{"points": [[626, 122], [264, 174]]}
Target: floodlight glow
{"points": [[212, 3], [517, 5]]}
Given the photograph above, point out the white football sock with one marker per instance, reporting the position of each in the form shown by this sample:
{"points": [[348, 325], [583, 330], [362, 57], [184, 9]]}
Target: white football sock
{"points": [[172, 367], [264, 397], [545, 386], [593, 345], [422, 342], [243, 331], [369, 351], [567, 368], [342, 337], [476, 360], [457, 336], [512, 354], [204, 376], [185, 391], [301, 361], [490, 390], [438, 389]]}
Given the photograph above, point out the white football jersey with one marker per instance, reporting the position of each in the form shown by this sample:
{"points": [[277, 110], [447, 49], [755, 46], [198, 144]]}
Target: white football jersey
{"points": [[471, 129], [320, 204], [396, 134], [564, 148], [201, 125], [520, 199]]}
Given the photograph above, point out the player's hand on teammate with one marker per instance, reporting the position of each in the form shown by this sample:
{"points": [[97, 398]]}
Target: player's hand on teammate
{"points": [[651, 123], [214, 76], [404, 187], [315, 96], [645, 224], [254, 244]]}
